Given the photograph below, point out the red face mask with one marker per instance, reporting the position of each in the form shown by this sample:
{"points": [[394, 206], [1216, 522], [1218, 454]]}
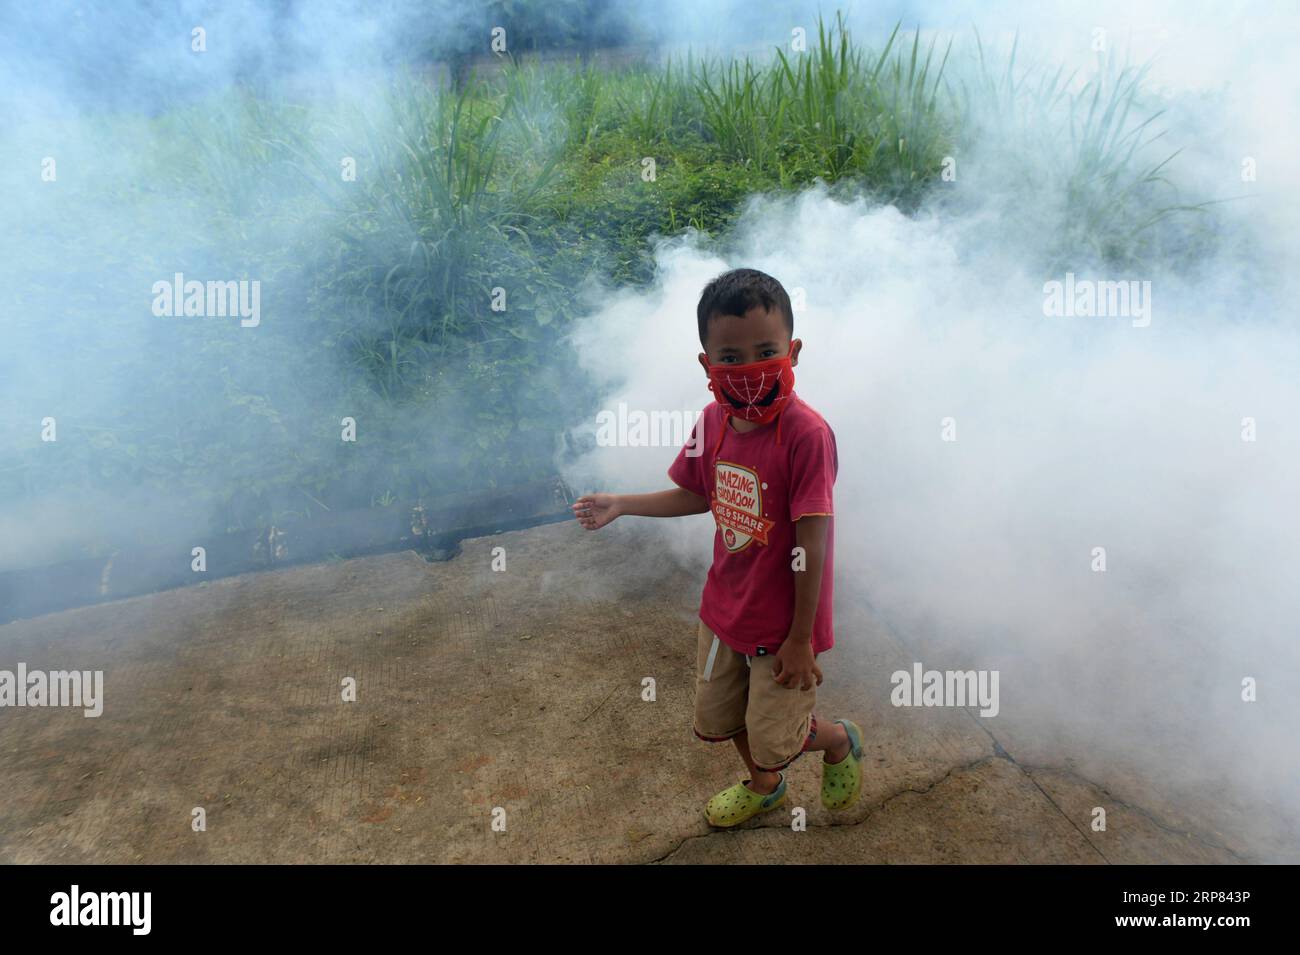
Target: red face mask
{"points": [[756, 392]]}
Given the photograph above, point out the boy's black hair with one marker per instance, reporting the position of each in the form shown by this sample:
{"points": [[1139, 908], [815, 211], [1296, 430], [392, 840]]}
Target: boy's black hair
{"points": [[736, 292]]}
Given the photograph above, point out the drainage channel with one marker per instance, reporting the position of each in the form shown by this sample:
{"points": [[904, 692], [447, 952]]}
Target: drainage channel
{"points": [[433, 529]]}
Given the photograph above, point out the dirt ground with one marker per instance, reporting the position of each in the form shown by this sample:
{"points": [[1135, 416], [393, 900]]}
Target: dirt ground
{"points": [[514, 695]]}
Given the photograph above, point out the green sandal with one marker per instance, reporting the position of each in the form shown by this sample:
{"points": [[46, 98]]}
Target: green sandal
{"points": [[842, 781], [733, 806]]}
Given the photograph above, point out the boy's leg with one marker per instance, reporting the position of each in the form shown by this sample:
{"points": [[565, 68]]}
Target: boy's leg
{"points": [[832, 739], [760, 780], [742, 747], [721, 688], [782, 725], [721, 699]]}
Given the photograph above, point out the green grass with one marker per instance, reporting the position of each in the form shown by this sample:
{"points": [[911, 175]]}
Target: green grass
{"points": [[832, 113]]}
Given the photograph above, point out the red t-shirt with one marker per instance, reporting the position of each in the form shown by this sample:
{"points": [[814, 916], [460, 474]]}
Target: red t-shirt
{"points": [[757, 489]]}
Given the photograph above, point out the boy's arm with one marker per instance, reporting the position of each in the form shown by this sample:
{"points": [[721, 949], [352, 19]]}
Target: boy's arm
{"points": [[815, 462], [687, 473], [675, 502], [597, 510], [810, 534]]}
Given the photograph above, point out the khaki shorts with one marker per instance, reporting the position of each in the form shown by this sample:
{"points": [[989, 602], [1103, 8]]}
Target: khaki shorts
{"points": [[735, 693]]}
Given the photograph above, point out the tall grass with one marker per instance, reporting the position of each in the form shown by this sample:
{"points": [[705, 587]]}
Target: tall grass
{"points": [[1084, 154], [832, 112]]}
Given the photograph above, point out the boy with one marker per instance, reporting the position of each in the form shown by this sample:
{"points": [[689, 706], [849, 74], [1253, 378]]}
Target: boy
{"points": [[764, 463]]}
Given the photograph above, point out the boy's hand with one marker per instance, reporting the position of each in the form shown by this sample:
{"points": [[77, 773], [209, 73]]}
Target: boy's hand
{"points": [[795, 667], [595, 510]]}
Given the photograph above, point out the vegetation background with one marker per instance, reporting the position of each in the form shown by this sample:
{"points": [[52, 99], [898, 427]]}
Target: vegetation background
{"points": [[480, 176]]}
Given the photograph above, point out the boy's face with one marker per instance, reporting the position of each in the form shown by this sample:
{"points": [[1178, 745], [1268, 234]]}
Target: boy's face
{"points": [[757, 336]]}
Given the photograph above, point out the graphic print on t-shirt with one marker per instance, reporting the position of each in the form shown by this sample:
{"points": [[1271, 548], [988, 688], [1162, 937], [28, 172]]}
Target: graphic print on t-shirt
{"points": [[738, 506]]}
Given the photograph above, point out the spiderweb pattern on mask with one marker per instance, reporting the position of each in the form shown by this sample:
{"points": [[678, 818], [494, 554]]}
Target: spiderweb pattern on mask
{"points": [[750, 395]]}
